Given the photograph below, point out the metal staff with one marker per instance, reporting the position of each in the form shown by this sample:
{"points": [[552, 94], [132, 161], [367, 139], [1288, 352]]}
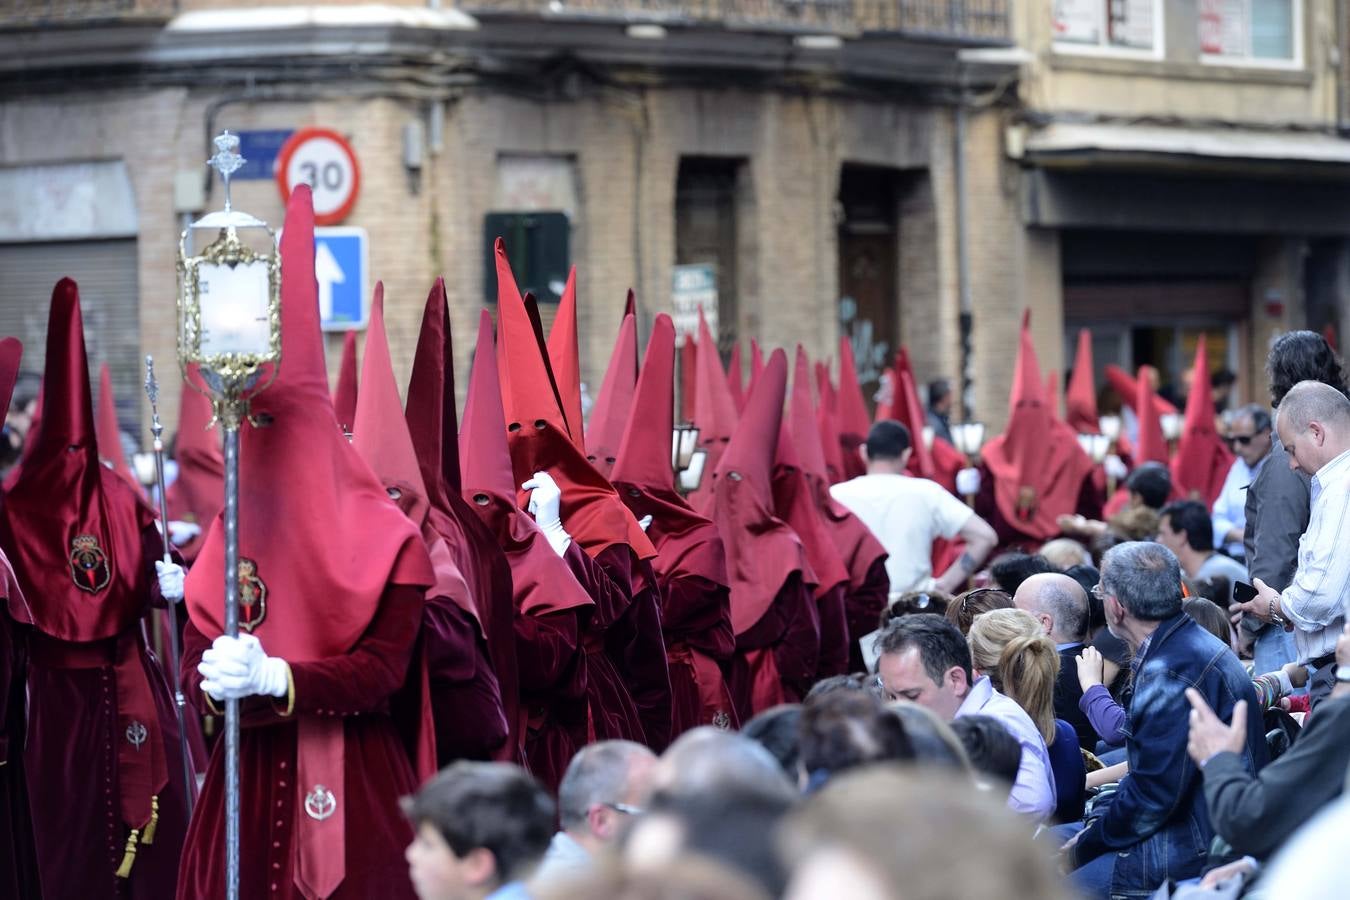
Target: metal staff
{"points": [[157, 429]]}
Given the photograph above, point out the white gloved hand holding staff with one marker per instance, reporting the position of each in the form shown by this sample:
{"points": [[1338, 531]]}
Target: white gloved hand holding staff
{"points": [[546, 507], [237, 667]]}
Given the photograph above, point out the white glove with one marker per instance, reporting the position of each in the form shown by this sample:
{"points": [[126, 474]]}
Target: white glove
{"points": [[645, 522], [1115, 468], [170, 580], [968, 482], [235, 668], [182, 532], [546, 507]]}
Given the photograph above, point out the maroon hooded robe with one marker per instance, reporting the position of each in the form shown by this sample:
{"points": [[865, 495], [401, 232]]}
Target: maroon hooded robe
{"points": [[773, 608], [332, 579], [549, 601], [628, 681], [690, 563], [103, 759], [434, 426], [464, 693]]}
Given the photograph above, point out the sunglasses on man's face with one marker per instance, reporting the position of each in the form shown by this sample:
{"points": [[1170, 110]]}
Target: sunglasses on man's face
{"points": [[1243, 440]]}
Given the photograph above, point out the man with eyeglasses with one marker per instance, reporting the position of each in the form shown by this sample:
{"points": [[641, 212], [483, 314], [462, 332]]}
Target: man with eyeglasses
{"points": [[1249, 436], [605, 785]]}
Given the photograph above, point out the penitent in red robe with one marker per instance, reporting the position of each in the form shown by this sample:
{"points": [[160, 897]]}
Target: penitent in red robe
{"points": [[18, 856], [355, 689]]}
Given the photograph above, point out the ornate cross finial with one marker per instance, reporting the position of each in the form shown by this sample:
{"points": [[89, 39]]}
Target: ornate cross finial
{"points": [[151, 383], [227, 160]]}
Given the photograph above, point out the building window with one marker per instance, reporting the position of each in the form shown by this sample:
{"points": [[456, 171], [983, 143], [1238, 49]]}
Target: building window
{"points": [[1109, 27], [1252, 32]]}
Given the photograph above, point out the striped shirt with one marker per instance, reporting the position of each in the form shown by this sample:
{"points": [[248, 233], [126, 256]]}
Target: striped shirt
{"points": [[1317, 600]]}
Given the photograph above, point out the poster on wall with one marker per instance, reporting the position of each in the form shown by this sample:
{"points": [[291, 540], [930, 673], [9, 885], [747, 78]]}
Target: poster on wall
{"points": [[1078, 21], [693, 288], [1223, 27]]}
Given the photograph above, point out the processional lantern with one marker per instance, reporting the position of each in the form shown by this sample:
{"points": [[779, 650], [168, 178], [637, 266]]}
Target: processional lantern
{"points": [[686, 458], [229, 348]]}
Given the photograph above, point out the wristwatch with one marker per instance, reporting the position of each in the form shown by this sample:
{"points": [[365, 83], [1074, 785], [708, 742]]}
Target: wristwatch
{"points": [[1343, 674]]}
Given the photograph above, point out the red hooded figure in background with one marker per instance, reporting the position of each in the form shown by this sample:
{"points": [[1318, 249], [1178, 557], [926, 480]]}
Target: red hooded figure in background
{"points": [[861, 553], [1037, 470], [627, 679], [18, 858], [550, 604], [332, 577], [102, 738], [615, 400], [434, 426], [690, 563], [464, 694], [773, 607]]}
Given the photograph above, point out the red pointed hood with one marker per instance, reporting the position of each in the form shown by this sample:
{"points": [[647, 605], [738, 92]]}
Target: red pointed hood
{"points": [[756, 361], [430, 412], [687, 543], [306, 494], [198, 492], [644, 450], [1151, 445], [344, 396], [382, 438], [537, 435], [614, 403], [911, 413], [109, 431], [379, 431], [1203, 459], [1080, 400], [763, 553], [1037, 465], [541, 582], [735, 376], [484, 456], [630, 304], [827, 417], [853, 420], [714, 410], [1127, 386], [70, 526], [1052, 392], [564, 356], [856, 547]]}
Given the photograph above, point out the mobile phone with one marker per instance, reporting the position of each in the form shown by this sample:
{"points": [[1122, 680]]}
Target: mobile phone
{"points": [[1243, 592]]}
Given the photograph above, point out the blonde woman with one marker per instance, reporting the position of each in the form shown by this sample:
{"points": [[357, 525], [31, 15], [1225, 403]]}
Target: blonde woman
{"points": [[1010, 647]]}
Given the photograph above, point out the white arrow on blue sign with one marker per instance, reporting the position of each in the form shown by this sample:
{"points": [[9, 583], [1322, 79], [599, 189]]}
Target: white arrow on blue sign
{"points": [[341, 266]]}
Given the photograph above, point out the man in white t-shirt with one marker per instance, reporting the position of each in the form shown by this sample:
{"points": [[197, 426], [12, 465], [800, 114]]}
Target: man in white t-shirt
{"points": [[908, 514]]}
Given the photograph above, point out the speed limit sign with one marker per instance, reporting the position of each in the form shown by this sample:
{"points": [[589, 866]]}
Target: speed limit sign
{"points": [[322, 159]]}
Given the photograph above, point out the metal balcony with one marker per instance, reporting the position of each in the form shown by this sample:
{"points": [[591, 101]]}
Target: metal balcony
{"points": [[961, 21]]}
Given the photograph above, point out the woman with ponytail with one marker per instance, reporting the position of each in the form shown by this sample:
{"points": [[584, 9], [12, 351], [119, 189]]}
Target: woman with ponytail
{"points": [[1010, 647]]}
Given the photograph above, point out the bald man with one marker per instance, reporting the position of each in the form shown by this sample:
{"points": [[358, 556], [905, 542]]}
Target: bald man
{"points": [[1314, 427], [1060, 604]]}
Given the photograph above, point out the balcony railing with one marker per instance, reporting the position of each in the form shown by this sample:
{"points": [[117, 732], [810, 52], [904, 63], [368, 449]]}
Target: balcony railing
{"points": [[57, 12], [981, 21]]}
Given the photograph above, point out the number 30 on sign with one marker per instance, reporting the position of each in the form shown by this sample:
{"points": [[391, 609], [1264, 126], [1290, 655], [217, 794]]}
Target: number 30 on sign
{"points": [[322, 159]]}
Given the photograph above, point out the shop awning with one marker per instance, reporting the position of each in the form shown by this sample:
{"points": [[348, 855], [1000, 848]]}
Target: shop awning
{"points": [[1071, 141]]}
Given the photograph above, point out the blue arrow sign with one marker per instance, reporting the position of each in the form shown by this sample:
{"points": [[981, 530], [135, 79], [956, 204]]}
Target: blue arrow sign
{"points": [[341, 266]]}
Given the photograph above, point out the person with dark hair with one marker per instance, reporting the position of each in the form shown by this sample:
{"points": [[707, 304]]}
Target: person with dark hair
{"points": [[1185, 528], [776, 730], [926, 660], [480, 829], [1148, 488], [1278, 500], [1212, 618], [908, 514], [1009, 570], [1221, 388], [1314, 426], [1156, 825], [940, 408], [854, 682], [605, 784], [993, 751], [1149, 485], [1249, 436], [842, 730]]}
